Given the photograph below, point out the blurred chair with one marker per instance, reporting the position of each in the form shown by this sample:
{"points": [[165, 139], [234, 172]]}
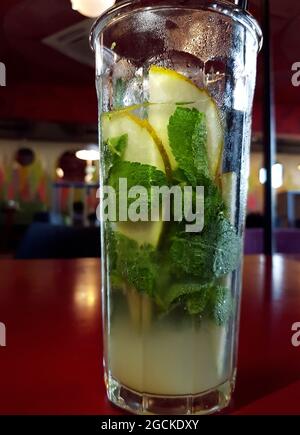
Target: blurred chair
{"points": [[78, 214], [287, 241], [43, 240], [41, 216], [254, 241], [288, 207]]}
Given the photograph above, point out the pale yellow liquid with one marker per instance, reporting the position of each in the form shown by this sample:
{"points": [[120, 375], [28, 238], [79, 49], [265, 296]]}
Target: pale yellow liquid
{"points": [[168, 360]]}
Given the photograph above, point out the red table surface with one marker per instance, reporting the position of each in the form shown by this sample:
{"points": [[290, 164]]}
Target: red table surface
{"points": [[52, 363]]}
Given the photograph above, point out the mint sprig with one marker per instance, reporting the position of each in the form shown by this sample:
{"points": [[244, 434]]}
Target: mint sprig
{"points": [[185, 269]]}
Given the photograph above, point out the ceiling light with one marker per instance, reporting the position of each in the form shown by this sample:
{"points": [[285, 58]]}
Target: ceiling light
{"points": [[91, 8], [277, 175], [298, 167], [60, 172], [90, 153], [262, 176]]}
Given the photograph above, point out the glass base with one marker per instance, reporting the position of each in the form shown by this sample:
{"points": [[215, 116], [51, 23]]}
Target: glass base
{"points": [[208, 402]]}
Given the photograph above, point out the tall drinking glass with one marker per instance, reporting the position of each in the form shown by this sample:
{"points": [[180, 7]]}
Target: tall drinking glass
{"points": [[175, 83]]}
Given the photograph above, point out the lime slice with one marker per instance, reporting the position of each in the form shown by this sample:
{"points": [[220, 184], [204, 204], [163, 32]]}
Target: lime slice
{"points": [[141, 232], [167, 87], [143, 144], [143, 147]]}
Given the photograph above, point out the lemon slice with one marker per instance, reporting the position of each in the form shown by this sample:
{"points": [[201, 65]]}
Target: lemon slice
{"points": [[143, 147], [167, 87]]}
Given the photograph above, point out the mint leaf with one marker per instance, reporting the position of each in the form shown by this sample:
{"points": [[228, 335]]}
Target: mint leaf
{"points": [[137, 265], [214, 205], [187, 137], [137, 174], [179, 177], [225, 246], [209, 255], [180, 290], [220, 305], [191, 257], [116, 282], [199, 141], [209, 300], [197, 302]]}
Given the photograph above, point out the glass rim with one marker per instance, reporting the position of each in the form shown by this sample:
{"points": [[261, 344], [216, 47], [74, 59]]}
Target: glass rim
{"points": [[225, 7]]}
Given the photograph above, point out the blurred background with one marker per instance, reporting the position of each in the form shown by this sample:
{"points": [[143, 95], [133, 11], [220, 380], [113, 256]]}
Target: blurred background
{"points": [[48, 131]]}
